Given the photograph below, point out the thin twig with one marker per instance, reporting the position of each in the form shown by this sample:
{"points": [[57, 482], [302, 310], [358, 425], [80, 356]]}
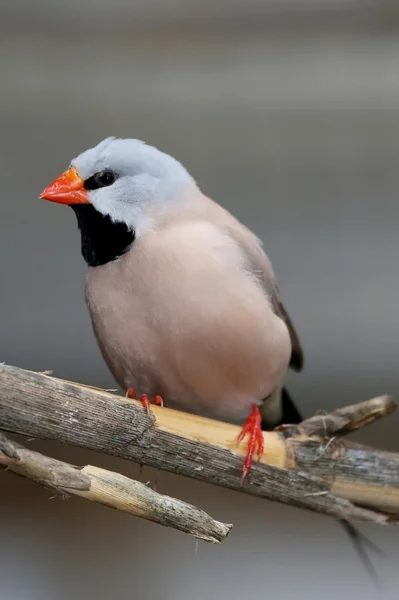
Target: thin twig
{"points": [[112, 489]]}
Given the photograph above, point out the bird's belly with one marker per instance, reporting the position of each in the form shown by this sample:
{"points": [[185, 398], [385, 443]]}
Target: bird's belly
{"points": [[193, 385], [193, 375]]}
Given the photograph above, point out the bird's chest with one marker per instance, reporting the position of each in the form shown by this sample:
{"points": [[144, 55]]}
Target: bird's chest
{"points": [[187, 329], [121, 316]]}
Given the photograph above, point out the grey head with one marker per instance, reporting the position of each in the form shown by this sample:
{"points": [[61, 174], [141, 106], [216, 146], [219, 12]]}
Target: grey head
{"points": [[126, 177], [115, 189]]}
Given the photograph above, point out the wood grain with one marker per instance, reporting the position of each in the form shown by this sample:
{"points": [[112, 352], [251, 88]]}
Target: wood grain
{"points": [[307, 471]]}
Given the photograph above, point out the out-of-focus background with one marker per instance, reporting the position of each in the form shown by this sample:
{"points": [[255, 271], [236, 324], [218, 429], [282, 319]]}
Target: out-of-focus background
{"points": [[285, 112]]}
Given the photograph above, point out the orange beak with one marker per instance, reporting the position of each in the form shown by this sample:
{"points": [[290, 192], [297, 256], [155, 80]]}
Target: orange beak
{"points": [[68, 188]]}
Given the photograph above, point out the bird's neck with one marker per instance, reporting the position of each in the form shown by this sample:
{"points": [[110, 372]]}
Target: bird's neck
{"points": [[102, 240]]}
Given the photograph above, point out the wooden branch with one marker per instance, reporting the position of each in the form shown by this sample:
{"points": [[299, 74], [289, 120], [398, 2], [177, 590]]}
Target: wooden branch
{"points": [[112, 489], [301, 466]]}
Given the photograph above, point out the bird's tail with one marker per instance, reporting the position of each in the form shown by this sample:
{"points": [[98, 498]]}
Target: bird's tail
{"points": [[279, 409], [290, 413], [291, 416]]}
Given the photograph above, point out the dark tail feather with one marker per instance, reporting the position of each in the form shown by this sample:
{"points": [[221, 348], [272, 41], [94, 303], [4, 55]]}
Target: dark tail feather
{"points": [[360, 541], [291, 416]]}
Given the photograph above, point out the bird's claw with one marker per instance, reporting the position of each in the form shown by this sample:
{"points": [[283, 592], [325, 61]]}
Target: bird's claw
{"points": [[146, 402], [255, 443], [144, 399]]}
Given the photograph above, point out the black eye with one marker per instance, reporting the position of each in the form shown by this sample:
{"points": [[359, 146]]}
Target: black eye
{"points": [[100, 179]]}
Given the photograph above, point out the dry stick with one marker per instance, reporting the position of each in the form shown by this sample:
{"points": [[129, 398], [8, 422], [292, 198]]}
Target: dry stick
{"points": [[112, 489], [303, 470]]}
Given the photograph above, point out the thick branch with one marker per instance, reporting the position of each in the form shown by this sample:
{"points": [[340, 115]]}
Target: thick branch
{"points": [[37, 405], [112, 489]]}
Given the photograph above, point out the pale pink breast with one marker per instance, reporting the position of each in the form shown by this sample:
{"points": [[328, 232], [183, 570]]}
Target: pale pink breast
{"points": [[181, 317]]}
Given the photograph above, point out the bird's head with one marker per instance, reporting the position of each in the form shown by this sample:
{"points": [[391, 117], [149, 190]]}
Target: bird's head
{"points": [[114, 189]]}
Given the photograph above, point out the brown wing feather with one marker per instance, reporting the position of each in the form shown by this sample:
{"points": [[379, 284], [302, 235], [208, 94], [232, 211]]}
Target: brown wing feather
{"points": [[261, 267], [297, 355]]}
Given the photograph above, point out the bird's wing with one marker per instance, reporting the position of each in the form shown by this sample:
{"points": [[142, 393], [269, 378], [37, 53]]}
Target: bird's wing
{"points": [[263, 270], [261, 267]]}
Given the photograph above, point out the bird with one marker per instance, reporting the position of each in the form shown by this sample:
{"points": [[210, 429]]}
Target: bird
{"points": [[183, 300]]}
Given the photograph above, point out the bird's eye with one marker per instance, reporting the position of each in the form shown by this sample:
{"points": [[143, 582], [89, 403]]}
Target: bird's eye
{"points": [[100, 179], [106, 178]]}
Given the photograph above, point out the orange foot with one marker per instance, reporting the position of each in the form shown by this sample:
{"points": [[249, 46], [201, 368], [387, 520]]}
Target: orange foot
{"points": [[144, 399], [255, 443]]}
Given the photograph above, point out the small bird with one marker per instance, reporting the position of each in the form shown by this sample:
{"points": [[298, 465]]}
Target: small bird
{"points": [[183, 300]]}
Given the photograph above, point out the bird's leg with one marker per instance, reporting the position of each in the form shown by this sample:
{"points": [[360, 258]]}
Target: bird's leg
{"points": [[255, 443], [144, 399]]}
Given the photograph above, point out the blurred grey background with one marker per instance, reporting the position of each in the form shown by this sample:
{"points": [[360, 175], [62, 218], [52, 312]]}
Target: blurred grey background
{"points": [[285, 112]]}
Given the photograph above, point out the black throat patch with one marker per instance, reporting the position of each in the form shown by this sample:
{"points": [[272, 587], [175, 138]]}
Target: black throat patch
{"points": [[102, 240]]}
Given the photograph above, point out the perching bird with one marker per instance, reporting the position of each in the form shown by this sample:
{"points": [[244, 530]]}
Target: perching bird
{"points": [[183, 300]]}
